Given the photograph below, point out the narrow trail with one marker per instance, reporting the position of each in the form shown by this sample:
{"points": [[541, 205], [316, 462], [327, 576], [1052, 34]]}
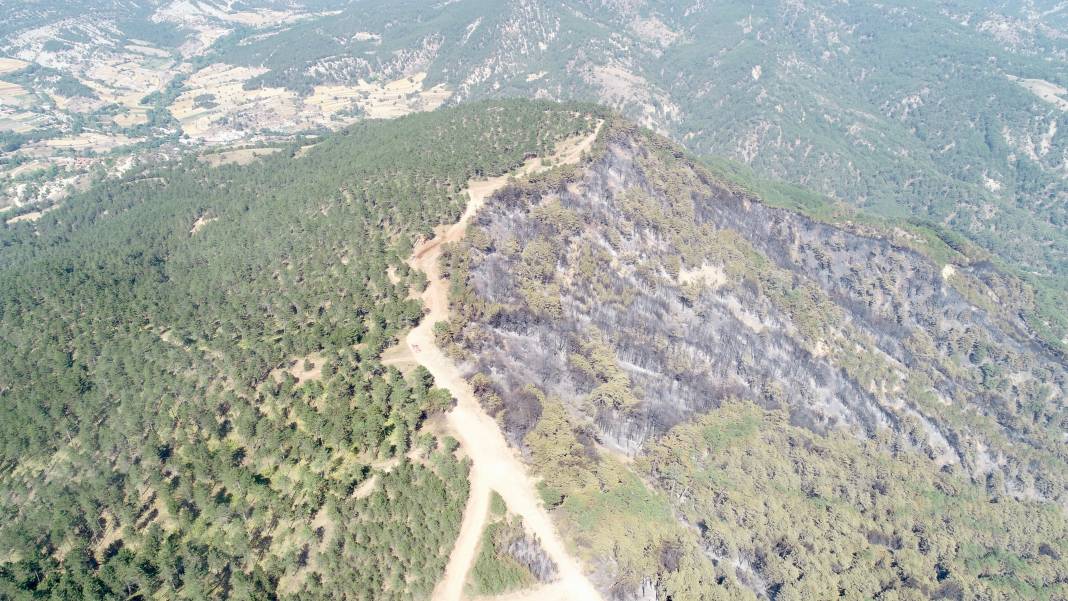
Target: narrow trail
{"points": [[495, 465]]}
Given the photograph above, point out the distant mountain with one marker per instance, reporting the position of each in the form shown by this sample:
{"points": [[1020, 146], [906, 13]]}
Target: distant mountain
{"points": [[946, 113]]}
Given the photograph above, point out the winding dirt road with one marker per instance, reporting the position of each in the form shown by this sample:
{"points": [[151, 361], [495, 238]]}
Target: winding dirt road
{"points": [[495, 465]]}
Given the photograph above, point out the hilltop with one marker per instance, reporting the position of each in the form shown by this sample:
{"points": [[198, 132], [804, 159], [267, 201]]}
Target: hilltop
{"points": [[721, 387]]}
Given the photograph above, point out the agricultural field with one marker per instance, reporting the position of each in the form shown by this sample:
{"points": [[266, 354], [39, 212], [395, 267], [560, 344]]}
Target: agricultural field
{"points": [[92, 87], [215, 106]]}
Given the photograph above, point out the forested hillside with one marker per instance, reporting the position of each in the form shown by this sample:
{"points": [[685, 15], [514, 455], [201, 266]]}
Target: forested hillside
{"points": [[946, 112], [192, 398], [727, 399], [813, 346]]}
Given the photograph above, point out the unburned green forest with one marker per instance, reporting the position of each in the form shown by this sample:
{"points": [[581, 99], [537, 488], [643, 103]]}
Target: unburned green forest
{"points": [[193, 403]]}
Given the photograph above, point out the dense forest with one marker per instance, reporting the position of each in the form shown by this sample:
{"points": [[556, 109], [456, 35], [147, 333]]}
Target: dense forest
{"points": [[192, 398]]}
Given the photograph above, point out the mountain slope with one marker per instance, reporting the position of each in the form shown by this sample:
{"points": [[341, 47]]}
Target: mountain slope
{"points": [[640, 307], [495, 468], [946, 112], [720, 398], [194, 403]]}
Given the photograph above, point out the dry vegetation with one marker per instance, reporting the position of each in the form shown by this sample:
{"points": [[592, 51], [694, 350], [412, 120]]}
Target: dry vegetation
{"points": [[1047, 91], [380, 101], [234, 111], [241, 156], [91, 141], [8, 65], [31, 216], [303, 370]]}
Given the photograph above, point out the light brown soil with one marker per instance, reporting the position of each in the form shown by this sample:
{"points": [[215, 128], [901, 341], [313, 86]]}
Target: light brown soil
{"points": [[379, 101], [12, 93], [1049, 92], [401, 357], [8, 65], [111, 534], [366, 487], [200, 223], [31, 216], [495, 465], [282, 108], [95, 141], [712, 276], [555, 591], [242, 156]]}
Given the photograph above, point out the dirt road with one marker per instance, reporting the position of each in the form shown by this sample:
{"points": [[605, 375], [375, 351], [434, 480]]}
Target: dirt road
{"points": [[495, 465]]}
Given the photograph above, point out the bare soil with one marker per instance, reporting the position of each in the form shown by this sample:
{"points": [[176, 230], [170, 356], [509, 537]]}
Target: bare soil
{"points": [[241, 156], [495, 465]]}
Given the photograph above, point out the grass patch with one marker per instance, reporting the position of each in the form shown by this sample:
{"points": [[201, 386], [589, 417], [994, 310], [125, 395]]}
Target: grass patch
{"points": [[495, 571]]}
